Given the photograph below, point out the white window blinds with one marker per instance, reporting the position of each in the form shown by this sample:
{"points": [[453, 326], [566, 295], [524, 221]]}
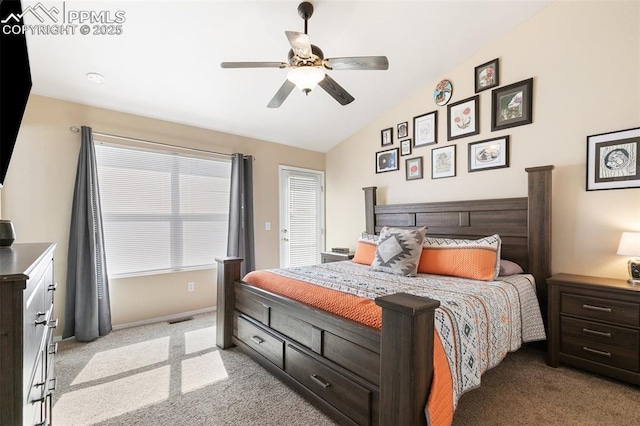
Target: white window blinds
{"points": [[305, 231], [162, 211]]}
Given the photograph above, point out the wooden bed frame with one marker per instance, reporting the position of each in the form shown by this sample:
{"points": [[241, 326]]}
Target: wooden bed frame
{"points": [[363, 376]]}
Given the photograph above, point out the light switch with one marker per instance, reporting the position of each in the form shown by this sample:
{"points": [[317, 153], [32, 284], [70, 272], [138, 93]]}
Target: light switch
{"points": [[267, 226]]}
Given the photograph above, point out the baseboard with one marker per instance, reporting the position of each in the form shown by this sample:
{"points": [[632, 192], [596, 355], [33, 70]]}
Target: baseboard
{"points": [[165, 318], [152, 320]]}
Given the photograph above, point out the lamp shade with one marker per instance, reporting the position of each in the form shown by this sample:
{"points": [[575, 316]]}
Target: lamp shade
{"points": [[305, 78], [629, 244]]}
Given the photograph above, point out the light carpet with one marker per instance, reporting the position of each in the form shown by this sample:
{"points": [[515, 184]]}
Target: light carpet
{"points": [[172, 374]]}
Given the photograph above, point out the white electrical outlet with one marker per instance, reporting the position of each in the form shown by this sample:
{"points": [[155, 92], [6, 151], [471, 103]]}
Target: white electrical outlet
{"points": [[191, 286]]}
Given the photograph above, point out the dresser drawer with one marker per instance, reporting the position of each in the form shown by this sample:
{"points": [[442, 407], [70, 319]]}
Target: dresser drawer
{"points": [[613, 311], [35, 323], [602, 353], [261, 341], [624, 338], [35, 393], [344, 394]]}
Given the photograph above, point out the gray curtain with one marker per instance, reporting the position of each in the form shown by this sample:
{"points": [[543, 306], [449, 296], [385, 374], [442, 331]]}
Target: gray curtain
{"points": [[87, 310], [241, 241]]}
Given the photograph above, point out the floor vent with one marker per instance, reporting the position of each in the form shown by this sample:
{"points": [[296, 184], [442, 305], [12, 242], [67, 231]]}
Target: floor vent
{"points": [[177, 320]]}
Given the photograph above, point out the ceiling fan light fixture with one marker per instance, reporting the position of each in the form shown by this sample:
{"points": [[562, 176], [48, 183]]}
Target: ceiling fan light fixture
{"points": [[306, 78]]}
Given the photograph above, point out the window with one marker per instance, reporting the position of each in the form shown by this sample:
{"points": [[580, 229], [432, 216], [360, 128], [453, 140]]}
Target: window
{"points": [[161, 211]]}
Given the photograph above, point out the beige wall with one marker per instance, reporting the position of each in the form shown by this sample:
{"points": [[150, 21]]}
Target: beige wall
{"points": [[38, 193], [584, 58]]}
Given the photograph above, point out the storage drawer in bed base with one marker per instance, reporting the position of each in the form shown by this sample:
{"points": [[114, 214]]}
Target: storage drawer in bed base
{"points": [[348, 398], [344, 394], [260, 340]]}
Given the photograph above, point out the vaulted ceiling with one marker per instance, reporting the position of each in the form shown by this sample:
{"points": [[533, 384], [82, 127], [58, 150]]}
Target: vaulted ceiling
{"points": [[165, 63]]}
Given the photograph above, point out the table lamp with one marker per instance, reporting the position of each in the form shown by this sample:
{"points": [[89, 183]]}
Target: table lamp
{"points": [[630, 246]]}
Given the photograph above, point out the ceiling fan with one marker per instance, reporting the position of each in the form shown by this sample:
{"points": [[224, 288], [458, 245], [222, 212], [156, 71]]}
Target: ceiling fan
{"points": [[308, 65]]}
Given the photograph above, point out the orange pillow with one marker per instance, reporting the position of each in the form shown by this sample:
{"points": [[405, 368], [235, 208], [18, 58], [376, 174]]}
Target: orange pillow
{"points": [[474, 259], [366, 249]]}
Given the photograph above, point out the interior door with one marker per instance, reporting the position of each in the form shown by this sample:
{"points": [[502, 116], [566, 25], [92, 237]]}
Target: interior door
{"points": [[301, 216]]}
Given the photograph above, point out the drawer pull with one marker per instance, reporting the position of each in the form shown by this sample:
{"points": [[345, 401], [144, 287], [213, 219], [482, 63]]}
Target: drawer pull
{"points": [[53, 323], [596, 308], [39, 314], [53, 349], [53, 287], [597, 352], [257, 339], [40, 400], [52, 387], [596, 332], [41, 322], [319, 380]]}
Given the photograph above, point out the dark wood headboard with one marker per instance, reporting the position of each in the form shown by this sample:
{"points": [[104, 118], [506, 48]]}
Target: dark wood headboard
{"points": [[524, 224]]}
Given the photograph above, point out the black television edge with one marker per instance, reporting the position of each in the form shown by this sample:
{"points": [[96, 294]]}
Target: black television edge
{"points": [[15, 80]]}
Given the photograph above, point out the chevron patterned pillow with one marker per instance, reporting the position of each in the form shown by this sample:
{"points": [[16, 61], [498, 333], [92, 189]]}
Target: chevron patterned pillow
{"points": [[398, 251]]}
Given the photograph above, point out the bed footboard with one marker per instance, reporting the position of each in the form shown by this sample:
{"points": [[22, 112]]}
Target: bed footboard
{"points": [[406, 358], [403, 351]]}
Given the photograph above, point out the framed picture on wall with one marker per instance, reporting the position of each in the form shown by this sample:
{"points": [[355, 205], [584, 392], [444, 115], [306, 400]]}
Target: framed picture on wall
{"points": [[487, 75], [414, 168], [387, 161], [612, 160], [512, 105], [386, 136], [405, 147], [403, 130], [489, 154], [463, 118], [443, 162], [425, 129]]}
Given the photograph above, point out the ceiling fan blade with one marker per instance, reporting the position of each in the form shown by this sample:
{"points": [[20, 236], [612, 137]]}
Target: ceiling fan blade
{"points": [[358, 63], [335, 90], [300, 44], [254, 64], [281, 94]]}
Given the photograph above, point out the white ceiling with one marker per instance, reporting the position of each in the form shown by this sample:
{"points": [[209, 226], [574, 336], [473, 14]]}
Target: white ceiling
{"points": [[166, 62]]}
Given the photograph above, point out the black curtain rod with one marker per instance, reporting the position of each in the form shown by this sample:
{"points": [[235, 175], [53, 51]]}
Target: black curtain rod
{"points": [[75, 129]]}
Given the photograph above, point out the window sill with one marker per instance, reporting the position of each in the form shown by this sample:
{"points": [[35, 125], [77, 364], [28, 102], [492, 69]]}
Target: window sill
{"points": [[162, 272]]}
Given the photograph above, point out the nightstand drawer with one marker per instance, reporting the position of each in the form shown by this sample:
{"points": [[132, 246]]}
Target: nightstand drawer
{"points": [[598, 352], [613, 311], [624, 338]]}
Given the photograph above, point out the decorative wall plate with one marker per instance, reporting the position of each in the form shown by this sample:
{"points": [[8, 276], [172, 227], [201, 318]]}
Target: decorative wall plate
{"points": [[443, 92]]}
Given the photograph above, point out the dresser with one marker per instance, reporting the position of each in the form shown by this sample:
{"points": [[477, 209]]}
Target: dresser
{"points": [[594, 324], [27, 351]]}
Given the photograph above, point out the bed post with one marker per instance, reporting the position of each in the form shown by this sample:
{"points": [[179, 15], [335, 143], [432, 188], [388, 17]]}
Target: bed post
{"points": [[228, 274], [406, 358], [369, 209], [539, 238]]}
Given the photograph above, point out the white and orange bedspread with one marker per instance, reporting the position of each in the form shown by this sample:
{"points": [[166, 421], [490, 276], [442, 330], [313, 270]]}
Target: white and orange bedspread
{"points": [[477, 323]]}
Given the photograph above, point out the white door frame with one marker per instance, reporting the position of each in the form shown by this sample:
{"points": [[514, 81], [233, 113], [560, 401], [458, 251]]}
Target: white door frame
{"points": [[283, 211]]}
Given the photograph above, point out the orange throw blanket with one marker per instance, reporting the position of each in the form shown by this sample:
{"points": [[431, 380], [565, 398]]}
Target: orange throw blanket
{"points": [[366, 312]]}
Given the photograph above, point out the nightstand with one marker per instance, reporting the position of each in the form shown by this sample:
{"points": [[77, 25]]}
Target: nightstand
{"points": [[594, 324], [329, 256]]}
